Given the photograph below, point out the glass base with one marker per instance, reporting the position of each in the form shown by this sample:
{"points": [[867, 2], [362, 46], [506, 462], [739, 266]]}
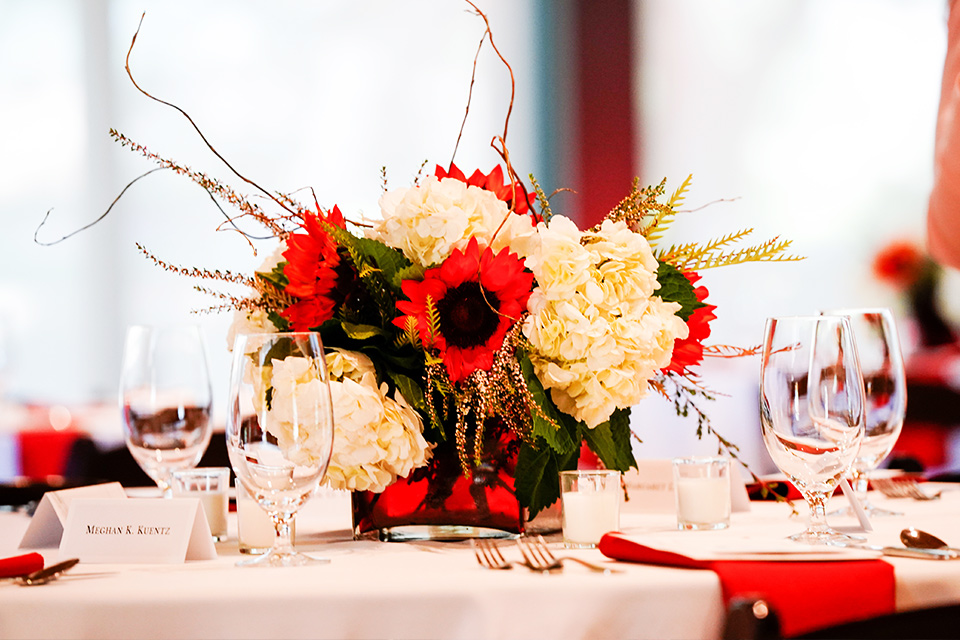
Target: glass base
{"points": [[440, 533], [275, 558], [702, 526], [825, 536], [869, 508]]}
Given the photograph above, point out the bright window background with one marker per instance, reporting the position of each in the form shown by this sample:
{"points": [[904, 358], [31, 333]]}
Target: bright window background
{"points": [[817, 117], [294, 94]]}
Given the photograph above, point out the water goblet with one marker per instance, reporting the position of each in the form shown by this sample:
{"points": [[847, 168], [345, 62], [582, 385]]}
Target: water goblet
{"points": [[812, 410], [279, 429], [885, 384], [165, 399]]}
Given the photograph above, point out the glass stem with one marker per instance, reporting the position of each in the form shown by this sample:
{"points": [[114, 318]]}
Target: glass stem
{"points": [[817, 500], [859, 484], [166, 487], [282, 544]]}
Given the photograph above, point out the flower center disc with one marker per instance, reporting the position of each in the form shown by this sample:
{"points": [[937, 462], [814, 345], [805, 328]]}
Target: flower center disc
{"points": [[467, 319]]}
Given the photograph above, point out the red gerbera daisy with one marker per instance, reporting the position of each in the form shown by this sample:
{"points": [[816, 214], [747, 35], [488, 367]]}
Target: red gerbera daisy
{"points": [[493, 182], [477, 298], [689, 351], [899, 264], [312, 261]]}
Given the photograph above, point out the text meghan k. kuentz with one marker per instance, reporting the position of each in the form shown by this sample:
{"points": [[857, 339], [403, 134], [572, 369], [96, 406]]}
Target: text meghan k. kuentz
{"points": [[126, 530]]}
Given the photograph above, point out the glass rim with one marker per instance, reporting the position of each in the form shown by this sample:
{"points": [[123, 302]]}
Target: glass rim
{"points": [[700, 460]]}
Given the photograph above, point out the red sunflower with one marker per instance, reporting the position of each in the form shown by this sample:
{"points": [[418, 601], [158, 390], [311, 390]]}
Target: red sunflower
{"points": [[493, 182], [689, 351], [311, 271], [477, 298]]}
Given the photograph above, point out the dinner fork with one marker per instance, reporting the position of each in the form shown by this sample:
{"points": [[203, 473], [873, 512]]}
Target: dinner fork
{"points": [[902, 488], [489, 556], [539, 558]]}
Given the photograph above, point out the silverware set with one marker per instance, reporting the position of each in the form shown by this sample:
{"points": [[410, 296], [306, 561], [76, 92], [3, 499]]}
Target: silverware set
{"points": [[536, 557], [902, 488]]}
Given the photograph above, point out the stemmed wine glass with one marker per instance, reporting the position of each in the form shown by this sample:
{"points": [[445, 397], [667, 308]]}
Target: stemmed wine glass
{"points": [[279, 429], [165, 399], [885, 384], [812, 410]]}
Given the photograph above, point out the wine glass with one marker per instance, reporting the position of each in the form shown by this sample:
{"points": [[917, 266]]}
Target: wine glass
{"points": [[165, 399], [885, 384], [279, 429], [812, 410]]}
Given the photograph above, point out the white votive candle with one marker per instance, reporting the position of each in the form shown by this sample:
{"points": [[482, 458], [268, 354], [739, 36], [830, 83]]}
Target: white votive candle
{"points": [[703, 501], [587, 515], [255, 529], [215, 506]]}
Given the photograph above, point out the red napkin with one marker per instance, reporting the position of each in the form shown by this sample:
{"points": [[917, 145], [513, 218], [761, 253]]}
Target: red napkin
{"points": [[20, 565], [805, 595]]}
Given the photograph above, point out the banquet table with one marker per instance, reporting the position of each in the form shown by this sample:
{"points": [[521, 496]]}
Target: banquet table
{"points": [[374, 589]]}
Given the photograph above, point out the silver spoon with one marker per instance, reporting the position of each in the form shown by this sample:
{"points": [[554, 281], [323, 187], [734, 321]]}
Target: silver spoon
{"points": [[918, 539], [45, 575]]}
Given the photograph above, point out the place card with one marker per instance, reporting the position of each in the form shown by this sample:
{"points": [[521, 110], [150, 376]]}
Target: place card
{"points": [[137, 531], [46, 526], [650, 488]]}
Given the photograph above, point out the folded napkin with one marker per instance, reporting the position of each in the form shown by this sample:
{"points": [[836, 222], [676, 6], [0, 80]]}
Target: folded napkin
{"points": [[20, 565], [806, 595]]}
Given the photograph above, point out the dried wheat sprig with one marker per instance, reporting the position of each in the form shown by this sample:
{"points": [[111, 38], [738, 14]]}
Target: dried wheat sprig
{"points": [[193, 272], [729, 351], [211, 185], [196, 128]]}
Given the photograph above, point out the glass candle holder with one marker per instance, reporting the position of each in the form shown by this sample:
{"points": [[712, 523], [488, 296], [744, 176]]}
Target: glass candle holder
{"points": [[591, 506], [702, 487]]}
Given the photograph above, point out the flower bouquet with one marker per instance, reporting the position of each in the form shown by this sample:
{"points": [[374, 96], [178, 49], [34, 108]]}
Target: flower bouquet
{"points": [[477, 341]]}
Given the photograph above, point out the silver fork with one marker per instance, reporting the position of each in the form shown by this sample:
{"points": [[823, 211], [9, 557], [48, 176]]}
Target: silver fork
{"points": [[902, 488], [489, 556], [539, 558]]}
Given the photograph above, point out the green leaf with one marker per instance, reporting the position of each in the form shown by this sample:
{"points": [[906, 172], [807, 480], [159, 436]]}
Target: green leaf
{"points": [[563, 440], [538, 477], [275, 276], [362, 331], [611, 441], [410, 389], [674, 287], [412, 272]]}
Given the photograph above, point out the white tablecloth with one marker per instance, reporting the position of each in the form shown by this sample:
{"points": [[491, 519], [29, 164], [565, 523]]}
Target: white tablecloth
{"points": [[423, 590]]}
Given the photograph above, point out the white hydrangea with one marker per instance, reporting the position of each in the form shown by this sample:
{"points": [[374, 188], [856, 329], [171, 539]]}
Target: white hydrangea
{"points": [[377, 438], [598, 332], [302, 432], [427, 222]]}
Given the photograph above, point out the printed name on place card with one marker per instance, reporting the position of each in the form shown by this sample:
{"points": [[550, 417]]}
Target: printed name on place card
{"points": [[137, 531]]}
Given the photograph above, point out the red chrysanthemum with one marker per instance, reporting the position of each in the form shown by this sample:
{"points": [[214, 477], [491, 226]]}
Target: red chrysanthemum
{"points": [[477, 298], [899, 264], [689, 351], [311, 271], [494, 183]]}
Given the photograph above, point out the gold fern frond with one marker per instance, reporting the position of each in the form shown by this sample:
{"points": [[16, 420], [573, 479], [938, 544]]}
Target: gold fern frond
{"points": [[680, 194], [433, 320], [545, 211]]}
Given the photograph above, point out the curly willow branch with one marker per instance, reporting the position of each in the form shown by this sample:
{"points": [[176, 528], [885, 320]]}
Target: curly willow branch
{"points": [[192, 123]]}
